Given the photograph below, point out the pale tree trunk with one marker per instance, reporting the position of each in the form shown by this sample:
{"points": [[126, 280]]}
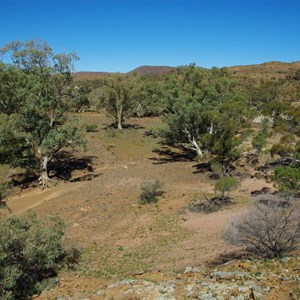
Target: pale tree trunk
{"points": [[44, 179], [195, 146], [119, 118]]}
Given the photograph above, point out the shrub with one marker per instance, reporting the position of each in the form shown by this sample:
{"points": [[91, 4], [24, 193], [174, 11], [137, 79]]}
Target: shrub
{"points": [[30, 252], [2, 194], [150, 191], [226, 184], [269, 229], [217, 169], [288, 179], [91, 127], [208, 205]]}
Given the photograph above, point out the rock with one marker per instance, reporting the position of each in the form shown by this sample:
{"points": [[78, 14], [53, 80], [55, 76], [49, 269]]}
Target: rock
{"points": [[244, 289], [123, 282], [191, 270], [101, 293], [207, 296], [229, 275]]}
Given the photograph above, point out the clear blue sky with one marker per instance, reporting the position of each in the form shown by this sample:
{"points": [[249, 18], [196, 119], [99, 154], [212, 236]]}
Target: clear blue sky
{"points": [[120, 35]]}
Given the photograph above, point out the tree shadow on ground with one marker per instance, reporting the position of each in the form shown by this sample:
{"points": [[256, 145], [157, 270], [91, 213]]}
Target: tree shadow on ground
{"points": [[168, 155], [202, 167], [65, 164], [125, 126], [226, 257]]}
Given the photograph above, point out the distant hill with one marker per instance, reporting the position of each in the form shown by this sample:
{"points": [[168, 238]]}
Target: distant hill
{"points": [[274, 69], [152, 70]]}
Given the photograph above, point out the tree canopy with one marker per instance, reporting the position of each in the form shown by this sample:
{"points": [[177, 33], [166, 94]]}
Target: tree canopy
{"points": [[34, 124]]}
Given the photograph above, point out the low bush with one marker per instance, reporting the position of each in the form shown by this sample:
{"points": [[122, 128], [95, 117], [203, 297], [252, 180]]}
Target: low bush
{"points": [[209, 205], [30, 253], [270, 229], [150, 191], [91, 127]]}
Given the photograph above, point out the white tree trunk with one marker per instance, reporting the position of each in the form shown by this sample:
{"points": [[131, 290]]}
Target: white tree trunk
{"points": [[44, 179], [119, 119], [195, 146]]}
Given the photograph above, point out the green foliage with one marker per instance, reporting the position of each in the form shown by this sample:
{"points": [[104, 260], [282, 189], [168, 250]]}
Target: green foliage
{"points": [[288, 179], [37, 127], [287, 147], [259, 141], [150, 191], [217, 169], [3, 193], [91, 127], [80, 96], [117, 96], [226, 184], [149, 97], [30, 251], [206, 110]]}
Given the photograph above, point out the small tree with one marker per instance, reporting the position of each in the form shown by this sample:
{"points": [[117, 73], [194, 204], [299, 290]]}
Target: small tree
{"points": [[270, 230], [117, 97], [30, 251], [225, 185]]}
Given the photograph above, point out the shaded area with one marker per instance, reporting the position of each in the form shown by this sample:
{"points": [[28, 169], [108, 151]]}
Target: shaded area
{"points": [[113, 125], [167, 155], [201, 168], [226, 257], [65, 164]]}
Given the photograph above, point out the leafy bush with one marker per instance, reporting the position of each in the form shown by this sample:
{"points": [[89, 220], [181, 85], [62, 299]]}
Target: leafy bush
{"points": [[91, 127], [288, 179], [226, 184], [217, 169], [150, 191], [270, 229], [30, 252]]}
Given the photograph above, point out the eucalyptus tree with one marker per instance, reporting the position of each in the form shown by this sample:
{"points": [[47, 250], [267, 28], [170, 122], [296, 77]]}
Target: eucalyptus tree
{"points": [[34, 122], [206, 110], [117, 96]]}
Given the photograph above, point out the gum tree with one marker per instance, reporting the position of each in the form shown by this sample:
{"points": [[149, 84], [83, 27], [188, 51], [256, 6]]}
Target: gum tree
{"points": [[117, 97], [37, 127]]}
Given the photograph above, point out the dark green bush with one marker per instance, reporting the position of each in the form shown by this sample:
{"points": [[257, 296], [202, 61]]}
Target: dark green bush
{"points": [[30, 252]]}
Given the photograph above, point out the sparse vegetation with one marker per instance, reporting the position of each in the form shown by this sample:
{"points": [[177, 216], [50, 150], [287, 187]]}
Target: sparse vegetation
{"points": [[194, 113], [207, 204], [269, 229], [150, 191]]}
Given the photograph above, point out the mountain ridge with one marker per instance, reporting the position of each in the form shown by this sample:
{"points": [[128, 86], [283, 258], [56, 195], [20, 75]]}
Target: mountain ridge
{"points": [[275, 69]]}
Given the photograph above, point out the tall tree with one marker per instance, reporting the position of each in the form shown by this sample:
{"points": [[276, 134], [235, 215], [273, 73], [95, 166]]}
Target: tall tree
{"points": [[38, 127], [206, 109]]}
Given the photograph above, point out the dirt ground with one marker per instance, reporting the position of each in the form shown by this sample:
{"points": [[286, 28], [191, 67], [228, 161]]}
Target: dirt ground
{"points": [[97, 195]]}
